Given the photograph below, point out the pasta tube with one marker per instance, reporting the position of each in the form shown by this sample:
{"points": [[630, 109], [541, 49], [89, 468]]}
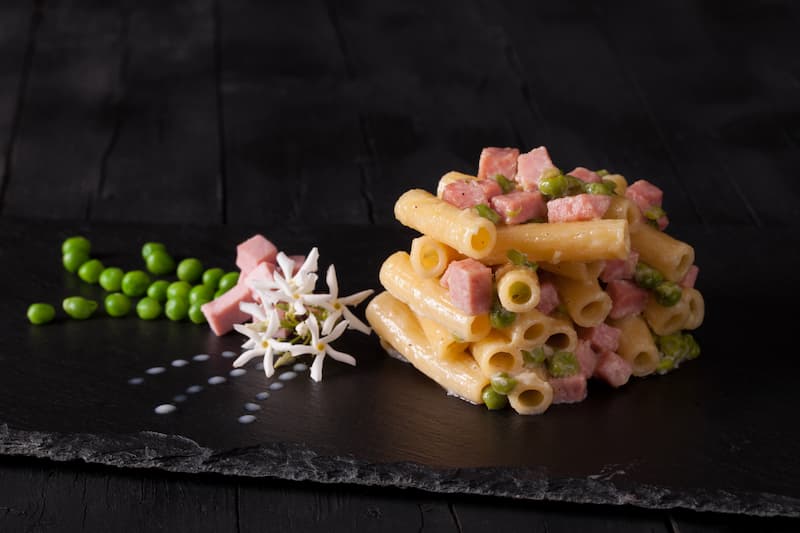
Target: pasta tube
{"points": [[429, 257], [496, 354], [449, 178], [580, 271], [561, 335], [532, 395], [622, 208], [518, 289], [429, 299], [697, 308], [669, 256], [530, 329], [443, 344], [462, 229], [620, 183], [590, 240], [636, 345], [394, 322], [586, 302], [666, 320]]}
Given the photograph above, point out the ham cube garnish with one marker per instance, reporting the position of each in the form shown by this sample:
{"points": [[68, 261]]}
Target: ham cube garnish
{"points": [[587, 358], [690, 278], [585, 175], [531, 166], [469, 283], [571, 389], [223, 312], [603, 338], [548, 295], [646, 195], [519, 206], [620, 268], [496, 161], [578, 207], [613, 369], [469, 193], [257, 249], [627, 298]]}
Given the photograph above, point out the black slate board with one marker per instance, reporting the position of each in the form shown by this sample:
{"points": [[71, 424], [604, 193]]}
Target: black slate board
{"points": [[715, 436]]}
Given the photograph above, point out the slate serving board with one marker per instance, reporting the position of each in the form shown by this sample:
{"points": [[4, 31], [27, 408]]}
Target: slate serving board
{"points": [[718, 435]]}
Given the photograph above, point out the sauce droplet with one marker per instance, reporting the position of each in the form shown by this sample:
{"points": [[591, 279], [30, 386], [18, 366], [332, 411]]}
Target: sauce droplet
{"points": [[246, 419], [165, 409]]}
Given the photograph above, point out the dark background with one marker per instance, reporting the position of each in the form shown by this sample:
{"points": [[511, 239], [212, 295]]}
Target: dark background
{"points": [[283, 113]]}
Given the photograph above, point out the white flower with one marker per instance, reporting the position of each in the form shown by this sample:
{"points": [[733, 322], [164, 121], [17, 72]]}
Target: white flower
{"points": [[262, 341], [319, 347], [337, 307], [285, 287]]}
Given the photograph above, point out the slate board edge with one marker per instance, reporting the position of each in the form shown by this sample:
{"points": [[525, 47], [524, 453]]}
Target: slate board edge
{"points": [[298, 463]]}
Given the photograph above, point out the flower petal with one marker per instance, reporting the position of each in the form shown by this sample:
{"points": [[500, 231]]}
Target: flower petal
{"points": [[333, 283], [357, 298], [341, 356], [316, 367], [246, 357], [287, 265], [355, 323]]}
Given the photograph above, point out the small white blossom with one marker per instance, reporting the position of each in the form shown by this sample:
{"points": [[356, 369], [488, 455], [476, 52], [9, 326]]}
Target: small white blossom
{"points": [[337, 307], [319, 347], [262, 342], [288, 287]]}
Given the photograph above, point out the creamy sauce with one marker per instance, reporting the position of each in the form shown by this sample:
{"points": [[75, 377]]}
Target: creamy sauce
{"points": [[216, 380], [165, 409]]}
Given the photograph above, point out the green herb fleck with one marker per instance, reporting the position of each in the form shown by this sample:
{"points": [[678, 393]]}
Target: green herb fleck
{"points": [[505, 184], [563, 364], [518, 258], [488, 213]]}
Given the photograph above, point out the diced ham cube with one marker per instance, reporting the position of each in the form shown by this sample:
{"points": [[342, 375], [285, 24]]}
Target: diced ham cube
{"points": [[469, 283], [262, 272], [586, 175], [469, 193], [496, 161], [578, 207], [519, 206], [603, 338], [587, 358], [690, 278], [613, 369], [548, 296], [223, 312], [531, 166], [571, 389], [662, 222], [620, 268], [253, 251], [627, 298]]}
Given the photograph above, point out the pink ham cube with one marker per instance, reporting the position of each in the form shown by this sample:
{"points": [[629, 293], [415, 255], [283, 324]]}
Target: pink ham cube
{"points": [[496, 161], [627, 298], [571, 389], [620, 268], [578, 207], [586, 175], [469, 283], [644, 194], [531, 166], [223, 312], [587, 358], [519, 206], [690, 278], [469, 193], [613, 369], [603, 338], [257, 249], [548, 295]]}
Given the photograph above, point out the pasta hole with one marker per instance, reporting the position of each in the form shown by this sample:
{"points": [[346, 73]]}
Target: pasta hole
{"points": [[643, 360], [481, 239], [558, 341], [520, 292], [684, 263], [429, 259], [593, 309], [502, 361], [531, 398], [674, 322], [480, 326], [534, 331]]}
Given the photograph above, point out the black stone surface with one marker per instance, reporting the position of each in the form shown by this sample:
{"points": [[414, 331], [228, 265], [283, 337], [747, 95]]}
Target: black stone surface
{"points": [[718, 435]]}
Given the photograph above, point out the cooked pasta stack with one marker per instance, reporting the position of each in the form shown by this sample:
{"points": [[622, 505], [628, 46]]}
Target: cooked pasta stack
{"points": [[526, 282]]}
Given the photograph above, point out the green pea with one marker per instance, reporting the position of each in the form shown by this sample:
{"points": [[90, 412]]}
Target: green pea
{"points": [[176, 309], [654, 212], [611, 185], [692, 348], [646, 276], [554, 185], [665, 365], [672, 346], [667, 293], [575, 185], [196, 314], [117, 304], [228, 281], [602, 172], [40, 313], [79, 307], [201, 294], [111, 279], [159, 262], [90, 271], [77, 243], [502, 383], [158, 290], [563, 364], [190, 270], [537, 356], [599, 188], [219, 293], [212, 276], [506, 185], [178, 290], [500, 317], [135, 283], [518, 258], [488, 213], [73, 260], [150, 247], [492, 399], [148, 308]]}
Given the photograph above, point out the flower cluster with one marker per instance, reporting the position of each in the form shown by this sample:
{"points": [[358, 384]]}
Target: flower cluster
{"points": [[289, 320]]}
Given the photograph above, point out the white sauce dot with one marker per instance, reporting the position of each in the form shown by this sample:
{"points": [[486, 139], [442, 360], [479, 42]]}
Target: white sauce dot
{"points": [[286, 376], [194, 389], [179, 398], [236, 372], [165, 409], [262, 396], [136, 381], [216, 380], [155, 370], [252, 407], [177, 363], [276, 386], [228, 354], [300, 367], [201, 357], [246, 419]]}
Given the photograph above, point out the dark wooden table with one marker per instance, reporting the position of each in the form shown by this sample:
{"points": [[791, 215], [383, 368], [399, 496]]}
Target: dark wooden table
{"points": [[273, 113]]}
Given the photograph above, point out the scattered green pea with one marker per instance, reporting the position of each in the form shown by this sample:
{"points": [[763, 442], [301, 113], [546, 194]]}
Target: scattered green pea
{"points": [[667, 293], [599, 188], [646, 276], [500, 317], [537, 356], [212, 276], [563, 364], [79, 307], [178, 290], [575, 185], [159, 262], [40, 313], [612, 185], [176, 309], [228, 281], [602, 172], [692, 348], [148, 308], [90, 271], [196, 313], [219, 293], [73, 260], [502, 383], [488, 213], [150, 247], [135, 283], [111, 279], [553, 185], [117, 304], [665, 365], [158, 290], [77, 243], [190, 270], [492, 399], [672, 346], [518, 258], [201, 294]]}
